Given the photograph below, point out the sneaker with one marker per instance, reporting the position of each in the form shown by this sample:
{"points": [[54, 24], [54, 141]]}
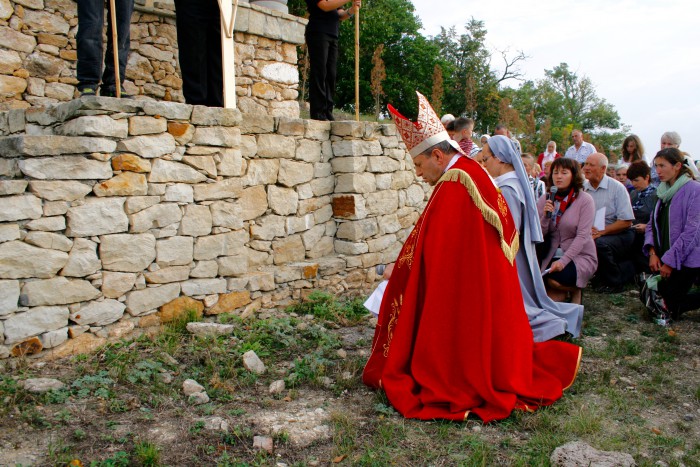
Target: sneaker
{"points": [[112, 92], [88, 92]]}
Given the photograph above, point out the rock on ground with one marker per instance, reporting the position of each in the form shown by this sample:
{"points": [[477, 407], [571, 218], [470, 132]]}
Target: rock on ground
{"points": [[303, 425], [210, 329], [252, 362], [40, 385], [191, 386], [577, 453]]}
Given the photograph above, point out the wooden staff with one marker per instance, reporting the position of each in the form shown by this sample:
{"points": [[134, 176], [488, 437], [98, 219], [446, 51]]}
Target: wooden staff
{"points": [[115, 48], [357, 66]]}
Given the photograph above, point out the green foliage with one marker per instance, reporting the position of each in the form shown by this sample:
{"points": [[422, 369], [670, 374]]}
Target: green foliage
{"points": [[326, 307], [144, 372], [97, 385], [119, 459], [147, 454]]}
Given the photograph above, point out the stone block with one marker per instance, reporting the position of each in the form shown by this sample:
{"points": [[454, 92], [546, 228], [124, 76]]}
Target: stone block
{"points": [[249, 146], [205, 269], [168, 110], [124, 184], [228, 137], [82, 259], [415, 196], [197, 221], [382, 202], [351, 248], [257, 124], [45, 145], [9, 297], [356, 148], [174, 251], [230, 163], [308, 151], [224, 214], [179, 193], [34, 322], [356, 183], [47, 224], [12, 85], [146, 125], [275, 146], [232, 265], [349, 206], [268, 227], [227, 244], [116, 284], [402, 179], [19, 260], [323, 215], [99, 313], [163, 171], [9, 232], [181, 131], [348, 164], [65, 168], [31, 346], [229, 188], [56, 208], [157, 216], [216, 116], [127, 253], [261, 172], [202, 163], [57, 291], [381, 243], [323, 186], [82, 344], [293, 173], [289, 249], [148, 146], [282, 201], [59, 190], [151, 298], [330, 266], [168, 274], [18, 41], [348, 128], [290, 126], [382, 164], [131, 163], [139, 203], [357, 230], [229, 302], [263, 280], [253, 202], [94, 125], [316, 129], [203, 286], [98, 216], [20, 207], [13, 187], [50, 240]]}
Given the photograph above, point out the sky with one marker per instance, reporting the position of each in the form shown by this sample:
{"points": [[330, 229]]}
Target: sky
{"points": [[643, 56]]}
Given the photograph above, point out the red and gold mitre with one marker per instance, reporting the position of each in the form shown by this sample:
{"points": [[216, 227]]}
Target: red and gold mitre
{"points": [[426, 131]]}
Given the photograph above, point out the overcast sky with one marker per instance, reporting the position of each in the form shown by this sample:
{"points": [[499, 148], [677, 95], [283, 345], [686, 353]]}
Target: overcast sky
{"points": [[643, 56]]}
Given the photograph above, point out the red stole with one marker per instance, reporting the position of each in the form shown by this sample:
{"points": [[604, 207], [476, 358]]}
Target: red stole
{"points": [[453, 336]]}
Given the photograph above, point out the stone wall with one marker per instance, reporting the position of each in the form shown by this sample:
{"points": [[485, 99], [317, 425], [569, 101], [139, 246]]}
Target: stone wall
{"points": [[38, 55], [119, 214]]}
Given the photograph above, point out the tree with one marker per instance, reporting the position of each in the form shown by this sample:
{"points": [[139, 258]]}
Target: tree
{"points": [[438, 89], [378, 75]]}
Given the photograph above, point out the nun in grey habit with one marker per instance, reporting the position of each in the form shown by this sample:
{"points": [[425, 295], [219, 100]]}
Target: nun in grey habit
{"points": [[547, 318]]}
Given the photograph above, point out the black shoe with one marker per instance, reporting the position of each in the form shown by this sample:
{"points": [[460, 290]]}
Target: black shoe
{"points": [[329, 117], [87, 92], [112, 92]]}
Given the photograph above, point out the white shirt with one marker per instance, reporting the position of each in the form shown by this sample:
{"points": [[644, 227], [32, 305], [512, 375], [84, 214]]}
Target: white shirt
{"points": [[580, 154]]}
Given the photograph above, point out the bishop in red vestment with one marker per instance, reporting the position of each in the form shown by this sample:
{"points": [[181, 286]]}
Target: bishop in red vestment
{"points": [[453, 337]]}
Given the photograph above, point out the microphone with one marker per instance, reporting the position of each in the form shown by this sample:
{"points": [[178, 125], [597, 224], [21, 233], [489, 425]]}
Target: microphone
{"points": [[550, 197]]}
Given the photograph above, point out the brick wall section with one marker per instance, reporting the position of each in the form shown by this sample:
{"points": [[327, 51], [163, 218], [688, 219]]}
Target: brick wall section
{"points": [[119, 214], [38, 55]]}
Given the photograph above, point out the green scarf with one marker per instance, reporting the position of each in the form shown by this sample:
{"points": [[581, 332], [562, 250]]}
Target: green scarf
{"points": [[665, 192]]}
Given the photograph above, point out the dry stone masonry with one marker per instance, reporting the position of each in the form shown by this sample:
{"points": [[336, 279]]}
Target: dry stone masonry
{"points": [[120, 215], [38, 57]]}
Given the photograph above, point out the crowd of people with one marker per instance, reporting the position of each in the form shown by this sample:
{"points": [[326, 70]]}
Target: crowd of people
{"points": [[598, 219]]}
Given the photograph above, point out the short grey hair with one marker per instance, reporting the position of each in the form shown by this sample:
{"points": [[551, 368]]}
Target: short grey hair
{"points": [[443, 146], [552, 142], [673, 137]]}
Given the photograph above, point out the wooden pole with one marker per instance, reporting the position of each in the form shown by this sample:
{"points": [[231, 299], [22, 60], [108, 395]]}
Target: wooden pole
{"points": [[228, 12], [357, 66], [115, 48]]}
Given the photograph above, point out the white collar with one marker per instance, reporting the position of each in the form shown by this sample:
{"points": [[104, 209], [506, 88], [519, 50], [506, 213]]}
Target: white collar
{"points": [[452, 162]]}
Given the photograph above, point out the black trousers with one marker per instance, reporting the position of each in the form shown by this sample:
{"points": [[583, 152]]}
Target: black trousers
{"points": [[674, 291], [615, 265], [199, 48], [323, 60], [91, 56]]}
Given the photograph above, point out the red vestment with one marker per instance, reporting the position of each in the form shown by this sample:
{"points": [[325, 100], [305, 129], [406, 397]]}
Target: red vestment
{"points": [[453, 336]]}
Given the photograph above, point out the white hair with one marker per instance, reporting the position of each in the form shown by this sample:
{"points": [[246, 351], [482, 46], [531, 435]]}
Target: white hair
{"points": [[447, 118]]}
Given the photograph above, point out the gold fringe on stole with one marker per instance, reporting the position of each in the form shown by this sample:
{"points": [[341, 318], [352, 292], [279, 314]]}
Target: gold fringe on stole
{"points": [[489, 214]]}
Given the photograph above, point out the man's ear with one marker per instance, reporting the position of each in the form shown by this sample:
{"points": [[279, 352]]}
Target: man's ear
{"points": [[439, 155]]}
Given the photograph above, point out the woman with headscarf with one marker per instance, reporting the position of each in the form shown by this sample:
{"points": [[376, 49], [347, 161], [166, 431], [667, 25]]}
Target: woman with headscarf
{"points": [[672, 237], [547, 318], [548, 155]]}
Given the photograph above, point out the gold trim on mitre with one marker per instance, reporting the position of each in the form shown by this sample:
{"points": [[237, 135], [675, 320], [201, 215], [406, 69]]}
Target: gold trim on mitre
{"points": [[425, 132], [510, 249]]}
